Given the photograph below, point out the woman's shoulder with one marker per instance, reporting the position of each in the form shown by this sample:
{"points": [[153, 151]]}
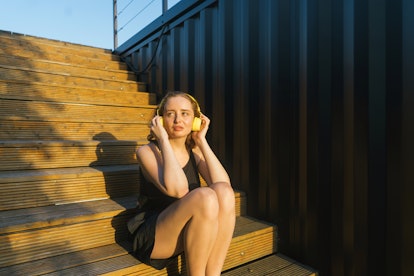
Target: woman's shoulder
{"points": [[146, 149]]}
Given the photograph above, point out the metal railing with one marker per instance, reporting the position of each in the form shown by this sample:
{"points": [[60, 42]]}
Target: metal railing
{"points": [[130, 16]]}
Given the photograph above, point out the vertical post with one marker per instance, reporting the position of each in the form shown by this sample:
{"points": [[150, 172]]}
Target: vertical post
{"points": [[115, 25], [164, 6]]}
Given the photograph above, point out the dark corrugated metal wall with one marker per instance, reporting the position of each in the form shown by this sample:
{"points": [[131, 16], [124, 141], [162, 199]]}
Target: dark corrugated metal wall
{"points": [[312, 112]]}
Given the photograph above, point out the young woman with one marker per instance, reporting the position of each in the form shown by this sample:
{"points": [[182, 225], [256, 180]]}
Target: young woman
{"points": [[176, 214]]}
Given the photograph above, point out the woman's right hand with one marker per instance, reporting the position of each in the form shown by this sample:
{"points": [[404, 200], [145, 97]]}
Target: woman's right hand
{"points": [[158, 129]]}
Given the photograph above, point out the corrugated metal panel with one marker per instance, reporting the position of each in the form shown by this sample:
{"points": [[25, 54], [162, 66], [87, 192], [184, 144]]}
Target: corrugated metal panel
{"points": [[312, 111]]}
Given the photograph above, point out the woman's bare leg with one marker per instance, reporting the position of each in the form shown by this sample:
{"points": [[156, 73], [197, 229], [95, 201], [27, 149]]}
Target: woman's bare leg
{"points": [[190, 223], [226, 221]]}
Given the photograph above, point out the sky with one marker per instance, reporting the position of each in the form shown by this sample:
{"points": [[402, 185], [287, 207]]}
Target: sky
{"points": [[86, 22]]}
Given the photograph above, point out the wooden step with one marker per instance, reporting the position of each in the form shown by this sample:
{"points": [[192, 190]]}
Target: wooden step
{"points": [[252, 239], [43, 218], [30, 219], [15, 73], [37, 91], [27, 113], [274, 265], [24, 63], [45, 130], [35, 188], [21, 42], [29, 155], [50, 231], [111, 63], [72, 112]]}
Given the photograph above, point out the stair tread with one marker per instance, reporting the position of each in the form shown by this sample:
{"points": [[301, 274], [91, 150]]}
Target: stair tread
{"points": [[67, 74], [59, 214], [20, 155], [16, 73], [47, 131], [47, 92], [115, 257], [22, 39], [37, 110], [66, 143], [57, 65], [275, 265], [46, 216], [59, 173]]}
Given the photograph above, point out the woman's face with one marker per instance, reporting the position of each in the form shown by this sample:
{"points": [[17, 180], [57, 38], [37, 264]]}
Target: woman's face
{"points": [[178, 116]]}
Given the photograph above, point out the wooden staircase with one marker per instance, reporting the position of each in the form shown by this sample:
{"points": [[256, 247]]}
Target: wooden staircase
{"points": [[71, 118]]}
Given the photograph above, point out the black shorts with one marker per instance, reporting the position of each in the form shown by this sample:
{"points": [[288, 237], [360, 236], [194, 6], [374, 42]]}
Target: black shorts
{"points": [[144, 239]]}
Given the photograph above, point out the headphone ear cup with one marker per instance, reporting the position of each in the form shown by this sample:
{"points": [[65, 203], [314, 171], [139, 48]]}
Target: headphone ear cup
{"points": [[196, 124]]}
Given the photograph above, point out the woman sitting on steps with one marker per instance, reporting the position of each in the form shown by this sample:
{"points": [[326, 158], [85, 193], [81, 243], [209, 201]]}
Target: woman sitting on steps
{"points": [[175, 214]]}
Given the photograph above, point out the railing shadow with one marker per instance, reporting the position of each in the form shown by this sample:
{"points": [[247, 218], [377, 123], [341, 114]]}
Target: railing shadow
{"points": [[17, 124], [118, 187]]}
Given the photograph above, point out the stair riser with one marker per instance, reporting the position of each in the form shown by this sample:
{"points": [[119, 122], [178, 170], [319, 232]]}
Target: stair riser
{"points": [[50, 48], [34, 130], [46, 157], [65, 68], [66, 79], [33, 245], [66, 58], [64, 112], [24, 90], [27, 194]]}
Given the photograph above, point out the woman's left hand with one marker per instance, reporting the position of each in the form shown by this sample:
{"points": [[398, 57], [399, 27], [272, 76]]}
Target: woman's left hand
{"points": [[199, 136]]}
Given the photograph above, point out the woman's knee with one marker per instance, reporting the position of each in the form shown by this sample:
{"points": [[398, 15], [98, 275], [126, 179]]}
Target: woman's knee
{"points": [[205, 202], [225, 195]]}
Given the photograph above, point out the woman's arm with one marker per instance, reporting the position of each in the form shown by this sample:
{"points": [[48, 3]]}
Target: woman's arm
{"points": [[161, 167], [209, 165]]}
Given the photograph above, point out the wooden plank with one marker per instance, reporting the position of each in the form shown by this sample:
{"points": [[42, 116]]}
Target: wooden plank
{"points": [[36, 91], [46, 216], [71, 58], [70, 112], [15, 73], [35, 188], [41, 217], [66, 261], [67, 58], [22, 155], [27, 246], [51, 66], [44, 45], [46, 130]]}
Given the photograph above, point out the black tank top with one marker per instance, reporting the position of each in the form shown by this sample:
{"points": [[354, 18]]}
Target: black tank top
{"points": [[157, 200]]}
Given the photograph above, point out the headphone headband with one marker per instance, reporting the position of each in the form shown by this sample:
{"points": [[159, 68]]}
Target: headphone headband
{"points": [[174, 94]]}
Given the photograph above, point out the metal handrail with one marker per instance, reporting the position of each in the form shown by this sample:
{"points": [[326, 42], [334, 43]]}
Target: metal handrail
{"points": [[116, 14]]}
